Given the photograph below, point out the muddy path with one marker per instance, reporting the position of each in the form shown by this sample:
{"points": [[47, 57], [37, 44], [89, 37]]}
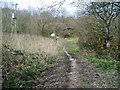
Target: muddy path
{"points": [[56, 76], [69, 71], [74, 74], [83, 74]]}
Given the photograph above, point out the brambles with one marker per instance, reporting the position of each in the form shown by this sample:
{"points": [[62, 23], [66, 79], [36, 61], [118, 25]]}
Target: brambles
{"points": [[22, 70]]}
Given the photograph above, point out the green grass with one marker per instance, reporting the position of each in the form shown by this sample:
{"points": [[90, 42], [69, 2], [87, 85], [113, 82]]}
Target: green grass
{"points": [[60, 49], [21, 69], [72, 47], [106, 63]]}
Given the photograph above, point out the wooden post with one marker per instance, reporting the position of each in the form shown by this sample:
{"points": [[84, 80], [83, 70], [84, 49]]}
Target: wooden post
{"points": [[13, 19]]}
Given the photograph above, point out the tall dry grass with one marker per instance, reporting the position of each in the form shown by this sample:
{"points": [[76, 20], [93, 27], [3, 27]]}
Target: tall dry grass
{"points": [[32, 43]]}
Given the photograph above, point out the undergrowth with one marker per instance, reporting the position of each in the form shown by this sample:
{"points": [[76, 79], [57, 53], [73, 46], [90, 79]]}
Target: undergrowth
{"points": [[21, 69], [107, 65]]}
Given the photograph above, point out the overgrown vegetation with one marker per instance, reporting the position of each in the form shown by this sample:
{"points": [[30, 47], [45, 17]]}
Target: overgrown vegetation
{"points": [[21, 69], [92, 35]]}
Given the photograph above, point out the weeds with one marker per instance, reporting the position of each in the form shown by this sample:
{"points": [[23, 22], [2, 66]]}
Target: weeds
{"points": [[22, 70], [106, 65]]}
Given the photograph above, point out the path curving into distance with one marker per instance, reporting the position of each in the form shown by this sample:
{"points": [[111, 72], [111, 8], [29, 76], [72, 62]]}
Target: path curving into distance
{"points": [[73, 75]]}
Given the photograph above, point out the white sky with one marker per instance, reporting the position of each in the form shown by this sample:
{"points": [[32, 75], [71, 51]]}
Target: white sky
{"points": [[27, 4], [34, 4]]}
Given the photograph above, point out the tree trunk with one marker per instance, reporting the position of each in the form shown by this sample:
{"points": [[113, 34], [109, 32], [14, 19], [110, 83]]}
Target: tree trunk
{"points": [[107, 39]]}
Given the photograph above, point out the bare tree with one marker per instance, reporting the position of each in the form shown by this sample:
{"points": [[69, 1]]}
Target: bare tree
{"points": [[44, 19], [107, 12]]}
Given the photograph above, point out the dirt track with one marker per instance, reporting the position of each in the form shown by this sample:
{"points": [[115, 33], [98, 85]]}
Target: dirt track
{"points": [[57, 74], [74, 74], [69, 72]]}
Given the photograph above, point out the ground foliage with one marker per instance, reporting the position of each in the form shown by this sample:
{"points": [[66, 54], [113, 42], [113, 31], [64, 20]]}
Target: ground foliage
{"points": [[21, 69]]}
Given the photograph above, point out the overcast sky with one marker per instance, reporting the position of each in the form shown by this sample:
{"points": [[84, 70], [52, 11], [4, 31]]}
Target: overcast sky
{"points": [[35, 4], [27, 4]]}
